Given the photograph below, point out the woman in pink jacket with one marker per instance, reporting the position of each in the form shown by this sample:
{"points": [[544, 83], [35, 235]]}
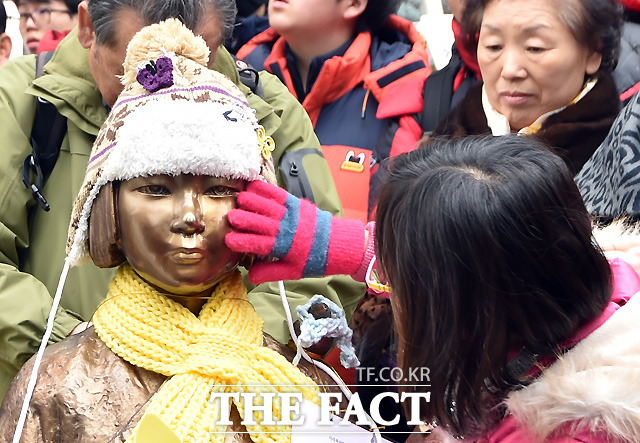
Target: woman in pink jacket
{"points": [[497, 287]]}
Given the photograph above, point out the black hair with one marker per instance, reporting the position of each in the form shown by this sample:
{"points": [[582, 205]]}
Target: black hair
{"points": [[190, 12], [72, 5], [248, 7], [595, 23], [487, 247], [3, 18], [376, 14]]}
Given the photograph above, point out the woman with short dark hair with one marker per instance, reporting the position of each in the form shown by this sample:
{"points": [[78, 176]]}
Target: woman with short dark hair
{"points": [[545, 67], [505, 279], [497, 286]]}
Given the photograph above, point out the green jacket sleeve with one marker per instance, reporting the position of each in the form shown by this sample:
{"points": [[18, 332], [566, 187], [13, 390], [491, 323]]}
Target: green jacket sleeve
{"points": [[25, 306], [24, 301]]}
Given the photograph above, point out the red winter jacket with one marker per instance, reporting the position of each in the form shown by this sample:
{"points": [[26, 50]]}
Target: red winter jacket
{"points": [[361, 100], [632, 5], [592, 394], [50, 40]]}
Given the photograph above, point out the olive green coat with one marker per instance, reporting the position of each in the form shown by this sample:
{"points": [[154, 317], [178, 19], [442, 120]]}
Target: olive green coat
{"points": [[32, 242]]}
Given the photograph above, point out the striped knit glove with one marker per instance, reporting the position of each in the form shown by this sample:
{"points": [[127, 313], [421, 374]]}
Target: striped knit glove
{"points": [[293, 238]]}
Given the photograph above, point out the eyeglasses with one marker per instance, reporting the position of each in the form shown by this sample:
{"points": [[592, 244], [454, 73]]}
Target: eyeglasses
{"points": [[376, 280], [42, 16]]}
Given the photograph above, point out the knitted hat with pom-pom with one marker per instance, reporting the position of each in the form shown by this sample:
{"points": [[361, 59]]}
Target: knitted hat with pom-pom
{"points": [[173, 117]]}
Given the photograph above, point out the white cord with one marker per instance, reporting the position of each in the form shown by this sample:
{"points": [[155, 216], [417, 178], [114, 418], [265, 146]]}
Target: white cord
{"points": [[36, 364], [325, 368]]}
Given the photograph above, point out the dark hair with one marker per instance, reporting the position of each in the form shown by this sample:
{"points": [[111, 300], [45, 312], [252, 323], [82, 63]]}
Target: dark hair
{"points": [[3, 18], [487, 246], [595, 23], [248, 7], [104, 232], [189, 12], [72, 5], [376, 14]]}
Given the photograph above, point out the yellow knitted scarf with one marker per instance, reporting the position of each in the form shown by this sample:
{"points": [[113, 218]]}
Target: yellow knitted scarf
{"points": [[220, 350]]}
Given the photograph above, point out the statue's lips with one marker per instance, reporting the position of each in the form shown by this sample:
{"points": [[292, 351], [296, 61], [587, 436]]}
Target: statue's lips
{"points": [[188, 255]]}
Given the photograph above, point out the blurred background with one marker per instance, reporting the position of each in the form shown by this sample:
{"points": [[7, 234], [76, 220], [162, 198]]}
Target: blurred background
{"points": [[13, 20]]}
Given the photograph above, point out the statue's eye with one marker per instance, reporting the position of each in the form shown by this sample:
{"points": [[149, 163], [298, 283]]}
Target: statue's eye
{"points": [[154, 190], [221, 191]]}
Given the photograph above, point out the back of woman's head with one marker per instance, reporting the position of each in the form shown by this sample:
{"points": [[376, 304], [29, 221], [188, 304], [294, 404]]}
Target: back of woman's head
{"points": [[487, 247], [597, 24]]}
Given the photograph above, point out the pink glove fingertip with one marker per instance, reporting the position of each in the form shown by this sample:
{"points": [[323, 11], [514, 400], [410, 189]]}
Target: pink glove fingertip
{"points": [[248, 243], [241, 220], [346, 246], [252, 202], [369, 252], [267, 190]]}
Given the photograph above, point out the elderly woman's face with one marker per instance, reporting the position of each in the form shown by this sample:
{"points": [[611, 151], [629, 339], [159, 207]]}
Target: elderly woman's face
{"points": [[530, 61], [172, 230]]}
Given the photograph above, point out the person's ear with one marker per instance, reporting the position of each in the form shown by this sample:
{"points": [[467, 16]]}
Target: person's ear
{"points": [[86, 35], [594, 60], [104, 235], [354, 9], [5, 48]]}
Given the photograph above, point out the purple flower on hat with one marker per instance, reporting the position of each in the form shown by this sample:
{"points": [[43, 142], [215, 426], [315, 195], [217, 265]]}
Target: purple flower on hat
{"points": [[156, 74]]}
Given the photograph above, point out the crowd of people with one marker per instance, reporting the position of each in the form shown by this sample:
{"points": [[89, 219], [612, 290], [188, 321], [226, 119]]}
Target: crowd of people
{"points": [[166, 163]]}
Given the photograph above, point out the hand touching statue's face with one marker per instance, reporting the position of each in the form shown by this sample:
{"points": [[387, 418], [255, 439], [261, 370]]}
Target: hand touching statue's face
{"points": [[172, 230]]}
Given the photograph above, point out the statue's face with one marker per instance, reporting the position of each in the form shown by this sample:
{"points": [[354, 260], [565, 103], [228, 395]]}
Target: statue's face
{"points": [[172, 230]]}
